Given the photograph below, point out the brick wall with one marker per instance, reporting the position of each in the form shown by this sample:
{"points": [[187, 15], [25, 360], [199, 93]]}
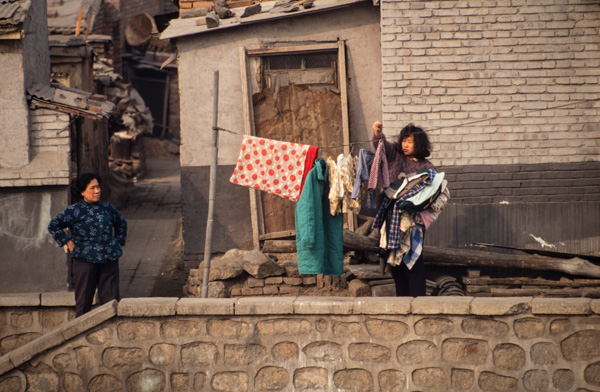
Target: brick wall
{"points": [[550, 182], [50, 148], [495, 82], [49, 130]]}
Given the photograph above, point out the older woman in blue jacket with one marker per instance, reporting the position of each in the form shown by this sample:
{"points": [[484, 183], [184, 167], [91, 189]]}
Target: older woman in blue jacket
{"points": [[96, 233]]}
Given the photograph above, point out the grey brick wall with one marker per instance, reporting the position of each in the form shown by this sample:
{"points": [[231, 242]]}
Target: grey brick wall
{"points": [[50, 148], [495, 82], [49, 131], [550, 182]]}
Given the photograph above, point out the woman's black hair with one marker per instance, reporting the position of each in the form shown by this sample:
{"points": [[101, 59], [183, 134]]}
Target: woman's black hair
{"points": [[84, 180], [422, 144]]}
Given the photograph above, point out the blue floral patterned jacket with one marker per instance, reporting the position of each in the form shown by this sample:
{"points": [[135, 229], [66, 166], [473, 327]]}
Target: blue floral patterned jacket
{"points": [[91, 228]]}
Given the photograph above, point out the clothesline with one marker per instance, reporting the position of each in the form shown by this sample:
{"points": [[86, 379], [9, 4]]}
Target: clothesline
{"points": [[517, 115]]}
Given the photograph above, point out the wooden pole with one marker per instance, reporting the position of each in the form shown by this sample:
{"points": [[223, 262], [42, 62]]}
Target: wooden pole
{"points": [[78, 25], [212, 190], [165, 119]]}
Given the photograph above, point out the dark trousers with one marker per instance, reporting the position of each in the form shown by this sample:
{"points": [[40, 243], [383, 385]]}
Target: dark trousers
{"points": [[410, 282], [88, 277]]}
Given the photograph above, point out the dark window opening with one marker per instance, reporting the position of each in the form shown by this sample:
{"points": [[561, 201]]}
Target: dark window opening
{"points": [[300, 61]]}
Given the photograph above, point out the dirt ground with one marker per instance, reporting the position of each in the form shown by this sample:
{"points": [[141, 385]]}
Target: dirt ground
{"points": [[172, 276]]}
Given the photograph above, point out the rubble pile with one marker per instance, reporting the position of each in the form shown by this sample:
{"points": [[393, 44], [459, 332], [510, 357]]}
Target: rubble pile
{"points": [[131, 120], [240, 273], [252, 273]]}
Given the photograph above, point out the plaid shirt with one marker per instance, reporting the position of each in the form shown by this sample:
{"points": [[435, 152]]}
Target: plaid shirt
{"points": [[391, 213]]}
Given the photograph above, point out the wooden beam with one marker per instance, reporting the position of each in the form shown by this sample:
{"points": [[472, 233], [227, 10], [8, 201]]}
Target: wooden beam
{"points": [[279, 234], [343, 86], [295, 49], [248, 116], [66, 109], [469, 258], [279, 246]]}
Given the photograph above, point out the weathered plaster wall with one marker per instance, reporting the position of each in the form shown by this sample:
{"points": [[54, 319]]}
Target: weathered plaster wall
{"points": [[201, 55], [30, 260], [508, 91], [309, 343], [49, 138], [36, 52], [14, 134], [29, 197]]}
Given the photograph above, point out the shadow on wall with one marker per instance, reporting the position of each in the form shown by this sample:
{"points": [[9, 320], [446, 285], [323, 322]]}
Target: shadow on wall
{"points": [[31, 260], [231, 227]]}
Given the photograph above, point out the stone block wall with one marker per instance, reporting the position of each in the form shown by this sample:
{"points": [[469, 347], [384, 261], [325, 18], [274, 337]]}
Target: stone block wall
{"points": [[316, 343], [494, 82], [25, 317]]}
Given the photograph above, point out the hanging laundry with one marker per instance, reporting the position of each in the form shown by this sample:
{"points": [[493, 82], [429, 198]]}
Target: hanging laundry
{"points": [[363, 169], [341, 174], [311, 155], [347, 170], [319, 235], [272, 166], [379, 169], [336, 190]]}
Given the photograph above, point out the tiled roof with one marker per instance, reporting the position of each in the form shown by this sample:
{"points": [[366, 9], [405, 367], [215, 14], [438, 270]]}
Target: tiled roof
{"points": [[189, 26], [63, 14], [12, 14]]}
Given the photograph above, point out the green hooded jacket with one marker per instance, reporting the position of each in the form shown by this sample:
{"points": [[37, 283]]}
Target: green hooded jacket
{"points": [[319, 235]]}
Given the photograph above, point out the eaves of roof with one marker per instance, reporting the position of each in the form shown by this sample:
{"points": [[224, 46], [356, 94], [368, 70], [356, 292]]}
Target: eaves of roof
{"points": [[69, 100], [13, 14], [188, 26]]}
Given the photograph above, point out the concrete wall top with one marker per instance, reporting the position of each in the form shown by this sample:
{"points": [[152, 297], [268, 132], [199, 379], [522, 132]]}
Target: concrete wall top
{"points": [[172, 306]]}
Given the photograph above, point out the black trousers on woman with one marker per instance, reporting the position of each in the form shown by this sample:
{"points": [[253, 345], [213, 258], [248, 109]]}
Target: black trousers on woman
{"points": [[88, 277], [410, 282]]}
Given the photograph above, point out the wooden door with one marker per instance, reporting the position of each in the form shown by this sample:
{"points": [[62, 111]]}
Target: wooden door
{"points": [[300, 102]]}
